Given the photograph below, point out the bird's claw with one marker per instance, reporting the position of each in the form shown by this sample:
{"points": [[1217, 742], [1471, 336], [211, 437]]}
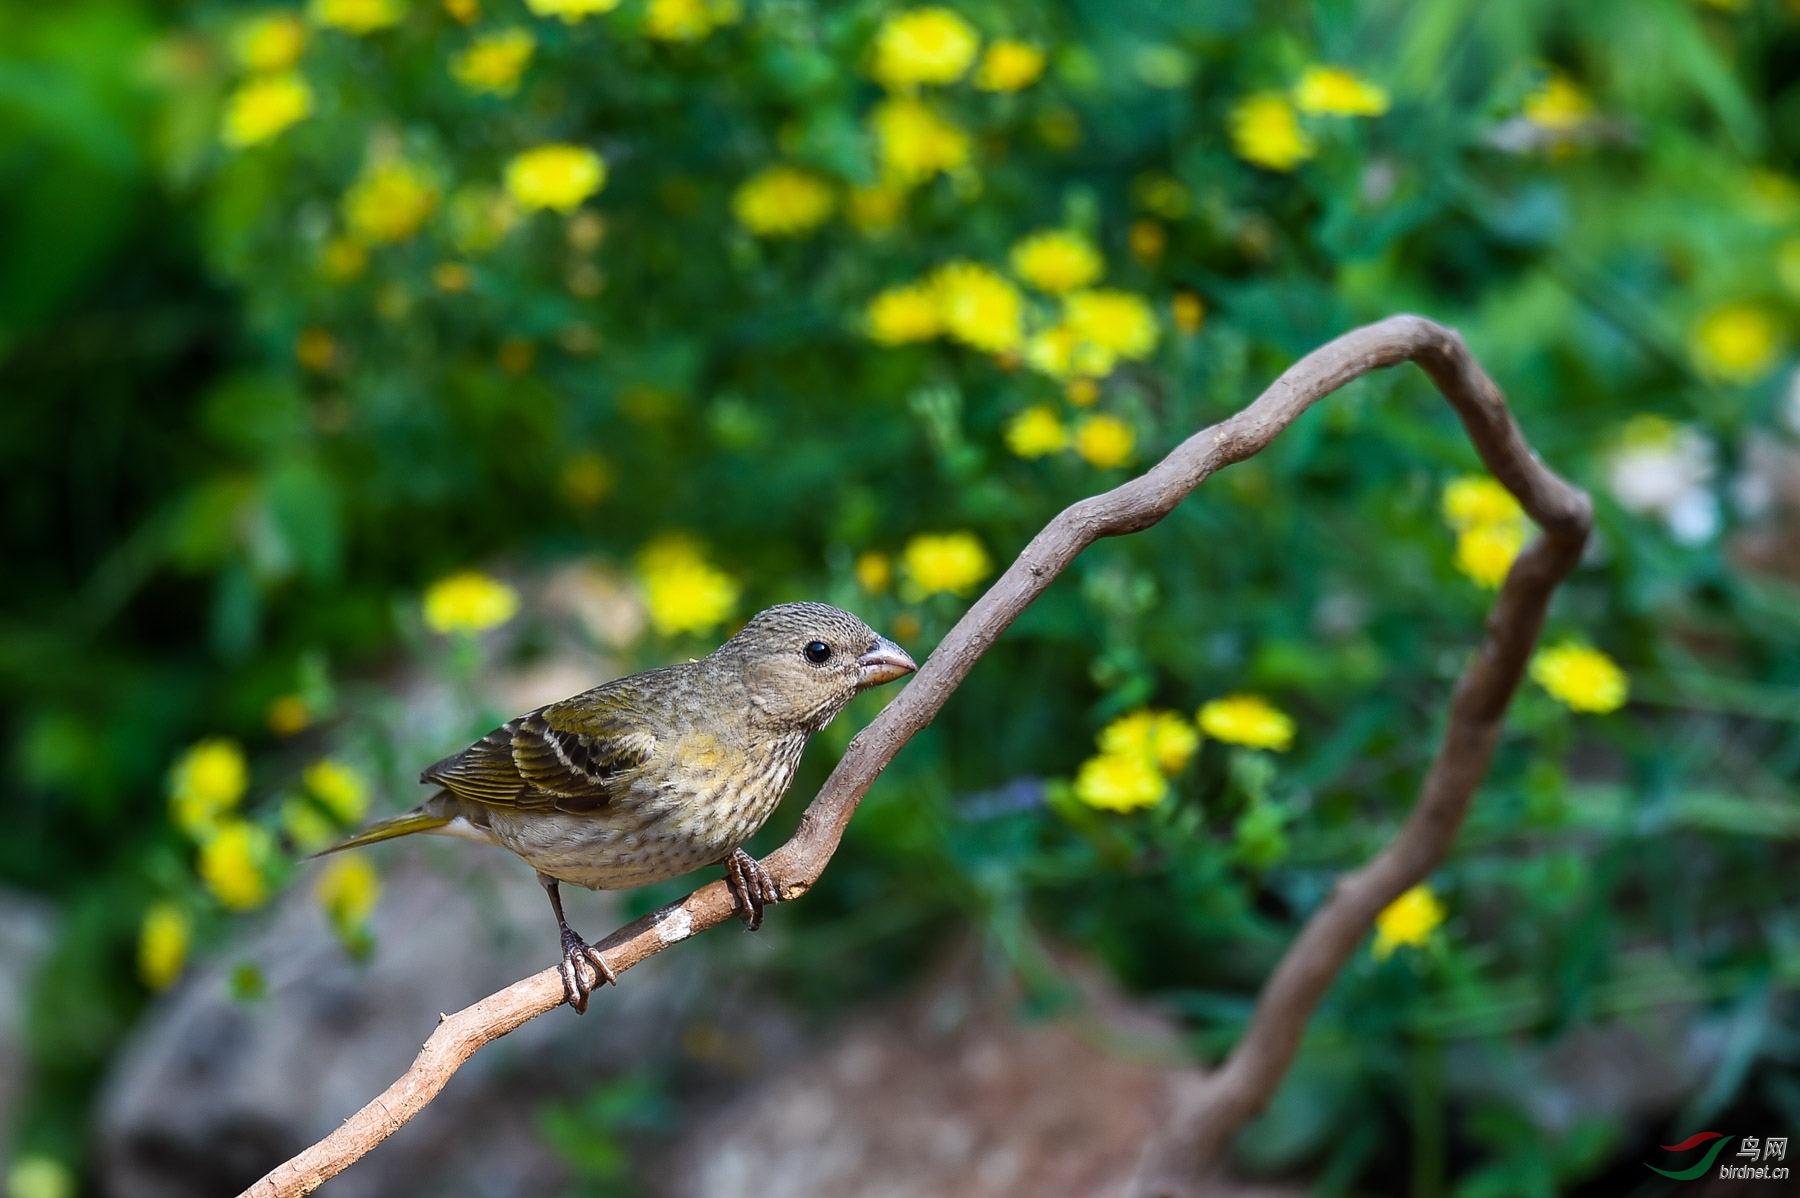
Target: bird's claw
{"points": [[583, 971], [751, 887]]}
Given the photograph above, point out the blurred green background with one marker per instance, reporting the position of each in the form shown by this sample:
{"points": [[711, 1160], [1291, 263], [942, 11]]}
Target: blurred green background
{"points": [[695, 305]]}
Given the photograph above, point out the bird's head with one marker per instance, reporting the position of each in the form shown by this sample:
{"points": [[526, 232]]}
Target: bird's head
{"points": [[804, 662]]}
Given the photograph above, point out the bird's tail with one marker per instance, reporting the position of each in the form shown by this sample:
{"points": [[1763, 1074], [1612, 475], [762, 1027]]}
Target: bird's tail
{"points": [[427, 816]]}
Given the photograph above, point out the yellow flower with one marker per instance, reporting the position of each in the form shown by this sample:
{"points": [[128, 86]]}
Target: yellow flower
{"points": [[783, 202], [389, 202], [1035, 432], [1116, 321], [480, 217], [902, 314], [1105, 441], [1009, 66], [1248, 720], [916, 143], [570, 11], [978, 307], [555, 176], [1120, 782], [464, 12], [1558, 106], [1162, 737], [343, 258], [1333, 91], [923, 45], [946, 563], [287, 715], [1584, 679], [1083, 393], [1475, 499], [874, 572], [1060, 352], [1737, 343], [163, 940], [494, 62], [875, 209], [231, 864], [1056, 261], [1265, 131], [1409, 919], [682, 591], [687, 20], [306, 827], [1189, 312], [348, 891], [340, 788], [269, 42], [358, 16], [205, 782], [1486, 552], [469, 602], [263, 107]]}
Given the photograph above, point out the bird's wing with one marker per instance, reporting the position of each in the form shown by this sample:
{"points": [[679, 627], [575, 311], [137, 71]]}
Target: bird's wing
{"points": [[569, 756]]}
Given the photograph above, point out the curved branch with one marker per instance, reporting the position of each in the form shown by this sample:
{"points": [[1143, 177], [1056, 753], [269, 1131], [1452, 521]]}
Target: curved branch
{"points": [[1268, 1046]]}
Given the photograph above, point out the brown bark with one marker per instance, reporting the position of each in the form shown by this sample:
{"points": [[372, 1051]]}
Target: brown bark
{"points": [[1202, 1129]]}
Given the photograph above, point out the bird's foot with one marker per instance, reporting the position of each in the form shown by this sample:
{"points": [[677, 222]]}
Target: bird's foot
{"points": [[751, 887], [583, 970]]}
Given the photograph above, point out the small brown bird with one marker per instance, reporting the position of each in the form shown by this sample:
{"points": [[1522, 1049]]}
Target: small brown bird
{"points": [[658, 773]]}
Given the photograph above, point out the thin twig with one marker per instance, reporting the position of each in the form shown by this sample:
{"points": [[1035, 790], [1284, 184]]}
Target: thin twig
{"points": [[1247, 1080]]}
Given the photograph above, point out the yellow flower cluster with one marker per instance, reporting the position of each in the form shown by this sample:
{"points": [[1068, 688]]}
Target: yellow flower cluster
{"points": [[978, 307], [389, 201], [358, 16], [1009, 66], [1558, 106], [271, 41], [1102, 439], [495, 61], [468, 603], [944, 563], [275, 96], [688, 20], [1737, 343], [783, 201], [903, 314], [347, 892], [571, 11], [1056, 261], [341, 789], [1248, 720], [555, 176], [163, 940], [683, 592], [914, 142], [1583, 678], [923, 45], [1138, 754], [1490, 527], [874, 572], [232, 862], [1036, 432], [1409, 919], [1265, 127], [205, 784]]}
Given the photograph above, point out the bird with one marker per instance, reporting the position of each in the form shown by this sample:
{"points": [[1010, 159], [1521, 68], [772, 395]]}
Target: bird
{"points": [[658, 773]]}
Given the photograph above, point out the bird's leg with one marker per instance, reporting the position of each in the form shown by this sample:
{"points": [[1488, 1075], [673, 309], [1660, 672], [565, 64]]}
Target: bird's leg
{"points": [[576, 952], [751, 887]]}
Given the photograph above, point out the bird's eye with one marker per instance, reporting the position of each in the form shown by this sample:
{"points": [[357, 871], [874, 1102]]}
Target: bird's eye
{"points": [[818, 653]]}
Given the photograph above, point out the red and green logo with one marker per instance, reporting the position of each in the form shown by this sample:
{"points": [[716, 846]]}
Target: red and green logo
{"points": [[1694, 1141]]}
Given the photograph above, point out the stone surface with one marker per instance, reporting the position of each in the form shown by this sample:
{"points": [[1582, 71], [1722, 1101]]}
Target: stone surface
{"points": [[212, 1092], [953, 1093]]}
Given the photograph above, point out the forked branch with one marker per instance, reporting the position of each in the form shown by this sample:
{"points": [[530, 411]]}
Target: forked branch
{"points": [[1204, 1125]]}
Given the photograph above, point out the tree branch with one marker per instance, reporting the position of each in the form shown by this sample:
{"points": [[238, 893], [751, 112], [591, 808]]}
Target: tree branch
{"points": [[1203, 1126]]}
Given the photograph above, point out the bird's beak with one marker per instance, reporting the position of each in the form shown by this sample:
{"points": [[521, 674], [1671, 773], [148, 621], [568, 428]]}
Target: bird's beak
{"points": [[884, 662]]}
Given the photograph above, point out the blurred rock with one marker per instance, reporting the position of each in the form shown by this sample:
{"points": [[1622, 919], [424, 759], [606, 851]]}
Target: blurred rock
{"points": [[26, 933], [952, 1093], [212, 1091]]}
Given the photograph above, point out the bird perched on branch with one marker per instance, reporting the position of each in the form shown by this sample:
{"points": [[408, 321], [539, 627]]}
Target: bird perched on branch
{"points": [[658, 773]]}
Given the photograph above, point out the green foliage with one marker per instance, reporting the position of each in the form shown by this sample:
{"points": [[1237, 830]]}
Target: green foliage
{"points": [[250, 422]]}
